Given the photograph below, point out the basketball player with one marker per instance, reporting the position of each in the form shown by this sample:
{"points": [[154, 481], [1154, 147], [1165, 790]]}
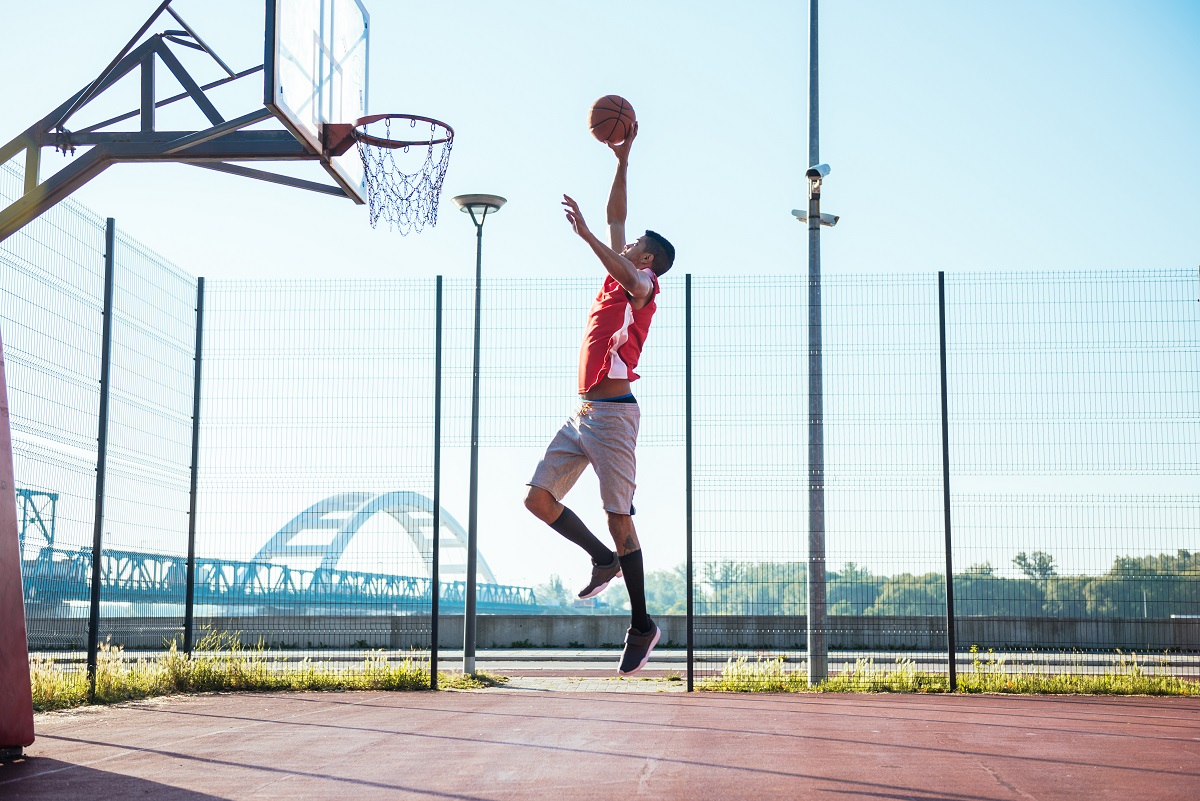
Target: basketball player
{"points": [[603, 432]]}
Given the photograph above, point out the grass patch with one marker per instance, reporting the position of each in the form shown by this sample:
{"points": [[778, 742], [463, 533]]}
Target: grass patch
{"points": [[220, 663], [988, 674], [479, 680], [1126, 676]]}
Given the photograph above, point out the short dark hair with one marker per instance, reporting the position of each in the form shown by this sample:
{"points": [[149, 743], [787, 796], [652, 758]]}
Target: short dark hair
{"points": [[662, 251]]}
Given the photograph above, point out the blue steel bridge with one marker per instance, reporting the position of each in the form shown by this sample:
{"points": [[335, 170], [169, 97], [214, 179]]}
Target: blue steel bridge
{"points": [[272, 580]]}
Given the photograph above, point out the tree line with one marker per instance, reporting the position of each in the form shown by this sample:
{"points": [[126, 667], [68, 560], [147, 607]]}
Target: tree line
{"points": [[1156, 586]]}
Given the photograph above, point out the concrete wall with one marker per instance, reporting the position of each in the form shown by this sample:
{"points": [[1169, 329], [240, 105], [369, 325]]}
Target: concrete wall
{"points": [[587, 631]]}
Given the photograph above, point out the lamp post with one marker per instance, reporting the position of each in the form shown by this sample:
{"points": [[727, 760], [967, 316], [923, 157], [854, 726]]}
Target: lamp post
{"points": [[478, 206]]}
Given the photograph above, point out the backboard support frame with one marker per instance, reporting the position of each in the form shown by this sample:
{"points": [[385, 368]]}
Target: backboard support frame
{"points": [[213, 148]]}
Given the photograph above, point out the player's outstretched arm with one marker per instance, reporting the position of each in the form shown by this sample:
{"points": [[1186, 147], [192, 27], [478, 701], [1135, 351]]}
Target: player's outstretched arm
{"points": [[618, 196], [632, 280]]}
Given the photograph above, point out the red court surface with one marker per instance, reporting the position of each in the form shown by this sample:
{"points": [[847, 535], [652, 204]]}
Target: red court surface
{"points": [[518, 744]]}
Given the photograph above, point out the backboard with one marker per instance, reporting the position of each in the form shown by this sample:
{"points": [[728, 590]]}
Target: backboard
{"points": [[316, 69]]}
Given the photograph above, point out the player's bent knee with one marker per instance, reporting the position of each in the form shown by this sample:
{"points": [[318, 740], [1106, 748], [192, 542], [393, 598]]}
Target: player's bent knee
{"points": [[540, 503]]}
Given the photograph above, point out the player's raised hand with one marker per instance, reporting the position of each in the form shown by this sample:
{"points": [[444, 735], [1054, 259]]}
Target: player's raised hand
{"points": [[575, 216], [622, 150]]}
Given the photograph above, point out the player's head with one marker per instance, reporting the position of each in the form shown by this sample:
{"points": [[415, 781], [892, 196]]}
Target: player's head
{"points": [[654, 245]]}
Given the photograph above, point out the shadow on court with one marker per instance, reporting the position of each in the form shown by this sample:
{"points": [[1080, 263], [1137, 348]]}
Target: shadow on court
{"points": [[43, 777], [506, 744]]}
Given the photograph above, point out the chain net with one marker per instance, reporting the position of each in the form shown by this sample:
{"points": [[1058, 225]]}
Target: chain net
{"points": [[401, 189]]}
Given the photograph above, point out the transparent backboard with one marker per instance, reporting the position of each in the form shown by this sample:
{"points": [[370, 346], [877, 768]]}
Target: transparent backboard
{"points": [[316, 68]]}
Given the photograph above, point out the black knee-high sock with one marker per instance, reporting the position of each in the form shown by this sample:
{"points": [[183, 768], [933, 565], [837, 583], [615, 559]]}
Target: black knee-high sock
{"points": [[635, 583], [570, 526]]}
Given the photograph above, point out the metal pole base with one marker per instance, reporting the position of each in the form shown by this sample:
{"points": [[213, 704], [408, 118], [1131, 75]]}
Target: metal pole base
{"points": [[469, 665]]}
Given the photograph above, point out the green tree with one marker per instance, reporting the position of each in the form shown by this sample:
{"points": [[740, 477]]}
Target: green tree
{"points": [[666, 591], [1038, 565], [989, 594], [1147, 586], [852, 590], [752, 588], [1065, 596], [907, 594], [553, 592]]}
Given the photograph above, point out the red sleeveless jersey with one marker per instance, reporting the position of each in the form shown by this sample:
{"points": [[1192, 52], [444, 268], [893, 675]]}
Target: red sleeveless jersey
{"points": [[614, 336]]}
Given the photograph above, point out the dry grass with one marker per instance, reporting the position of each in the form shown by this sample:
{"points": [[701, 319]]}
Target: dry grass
{"points": [[988, 674], [220, 663]]}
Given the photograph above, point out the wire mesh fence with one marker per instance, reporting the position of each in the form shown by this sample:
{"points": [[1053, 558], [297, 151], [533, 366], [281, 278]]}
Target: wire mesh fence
{"points": [[1074, 399], [147, 461], [750, 470], [52, 279], [315, 518], [1072, 403]]}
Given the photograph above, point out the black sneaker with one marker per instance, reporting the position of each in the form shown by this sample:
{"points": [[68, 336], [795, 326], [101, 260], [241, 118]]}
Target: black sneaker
{"points": [[601, 576], [638, 646]]}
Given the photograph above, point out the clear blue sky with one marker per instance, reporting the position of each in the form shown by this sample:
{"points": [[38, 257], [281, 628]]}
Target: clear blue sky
{"points": [[1002, 136], [963, 136]]}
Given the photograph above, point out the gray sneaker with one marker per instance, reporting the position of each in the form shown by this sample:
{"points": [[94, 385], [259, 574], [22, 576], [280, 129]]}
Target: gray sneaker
{"points": [[601, 576], [638, 646]]}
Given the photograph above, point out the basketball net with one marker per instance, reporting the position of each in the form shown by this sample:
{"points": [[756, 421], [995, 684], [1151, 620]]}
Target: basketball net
{"points": [[401, 187]]}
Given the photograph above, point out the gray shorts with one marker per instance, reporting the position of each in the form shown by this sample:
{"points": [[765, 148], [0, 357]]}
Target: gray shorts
{"points": [[604, 435]]}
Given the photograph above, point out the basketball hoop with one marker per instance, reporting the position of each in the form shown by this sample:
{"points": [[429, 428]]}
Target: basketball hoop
{"points": [[403, 169]]}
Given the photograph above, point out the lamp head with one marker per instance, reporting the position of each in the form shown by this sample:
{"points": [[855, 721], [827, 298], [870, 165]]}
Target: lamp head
{"points": [[479, 206]]}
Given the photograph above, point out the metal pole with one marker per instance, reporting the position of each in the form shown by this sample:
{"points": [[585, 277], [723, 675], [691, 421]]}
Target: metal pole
{"points": [[435, 578], [951, 649], [814, 156], [473, 508], [110, 239], [189, 610], [815, 619], [687, 351]]}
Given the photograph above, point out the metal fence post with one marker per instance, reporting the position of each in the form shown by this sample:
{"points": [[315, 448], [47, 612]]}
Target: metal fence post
{"points": [[687, 381], [110, 237], [818, 657], [435, 579], [950, 644], [189, 602]]}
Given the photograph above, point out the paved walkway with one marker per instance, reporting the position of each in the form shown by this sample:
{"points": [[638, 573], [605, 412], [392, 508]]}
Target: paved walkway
{"points": [[526, 744]]}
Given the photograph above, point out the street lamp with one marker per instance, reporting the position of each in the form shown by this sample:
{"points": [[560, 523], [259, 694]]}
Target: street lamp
{"points": [[478, 206]]}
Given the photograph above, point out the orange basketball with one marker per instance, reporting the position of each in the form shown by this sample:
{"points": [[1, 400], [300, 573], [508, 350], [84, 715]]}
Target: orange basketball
{"points": [[611, 119]]}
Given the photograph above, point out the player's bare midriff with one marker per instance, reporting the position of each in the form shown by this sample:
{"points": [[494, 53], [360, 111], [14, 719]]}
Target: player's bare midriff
{"points": [[608, 388]]}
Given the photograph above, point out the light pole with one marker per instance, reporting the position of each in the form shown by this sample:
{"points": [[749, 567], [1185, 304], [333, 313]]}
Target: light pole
{"points": [[478, 206]]}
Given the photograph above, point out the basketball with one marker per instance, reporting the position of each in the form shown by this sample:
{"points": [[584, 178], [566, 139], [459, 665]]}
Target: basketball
{"points": [[611, 119]]}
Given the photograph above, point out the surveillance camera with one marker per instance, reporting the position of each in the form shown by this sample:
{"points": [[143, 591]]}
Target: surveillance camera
{"points": [[819, 171], [829, 220]]}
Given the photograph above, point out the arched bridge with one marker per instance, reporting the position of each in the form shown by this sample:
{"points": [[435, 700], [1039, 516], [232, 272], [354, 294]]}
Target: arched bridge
{"points": [[268, 581], [346, 513]]}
